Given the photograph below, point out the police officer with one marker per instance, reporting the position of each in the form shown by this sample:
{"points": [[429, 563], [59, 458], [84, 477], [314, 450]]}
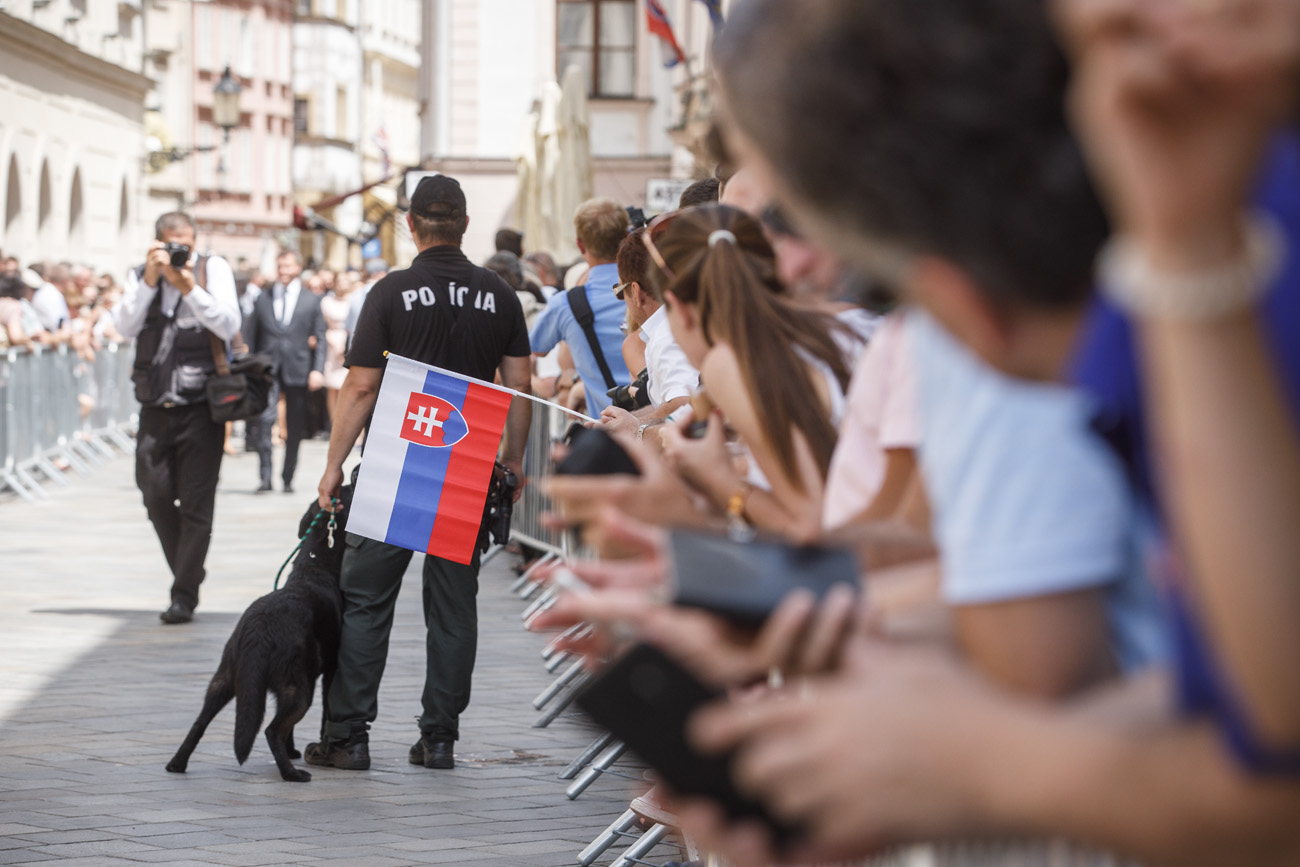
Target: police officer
{"points": [[175, 312], [446, 312]]}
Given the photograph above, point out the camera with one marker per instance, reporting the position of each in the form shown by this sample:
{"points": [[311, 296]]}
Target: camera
{"points": [[499, 506], [637, 217], [633, 396], [179, 254]]}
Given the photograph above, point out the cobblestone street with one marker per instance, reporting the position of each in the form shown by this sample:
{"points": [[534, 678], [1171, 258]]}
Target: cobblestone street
{"points": [[96, 694]]}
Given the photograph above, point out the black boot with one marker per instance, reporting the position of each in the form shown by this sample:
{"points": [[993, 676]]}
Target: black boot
{"points": [[352, 754], [433, 754]]}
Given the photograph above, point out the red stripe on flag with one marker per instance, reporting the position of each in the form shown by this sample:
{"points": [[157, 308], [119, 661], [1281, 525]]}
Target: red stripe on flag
{"points": [[469, 474], [658, 24]]}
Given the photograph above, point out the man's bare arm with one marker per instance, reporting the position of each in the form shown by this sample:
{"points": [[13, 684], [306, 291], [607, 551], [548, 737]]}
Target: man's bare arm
{"points": [[355, 404], [516, 373]]}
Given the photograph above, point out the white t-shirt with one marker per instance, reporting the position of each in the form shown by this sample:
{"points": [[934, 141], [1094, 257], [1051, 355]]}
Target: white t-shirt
{"points": [[881, 415], [50, 306], [1027, 500], [671, 375]]}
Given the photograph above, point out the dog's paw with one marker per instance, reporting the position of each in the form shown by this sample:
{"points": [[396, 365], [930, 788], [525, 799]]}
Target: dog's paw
{"points": [[297, 776], [294, 754], [176, 766]]}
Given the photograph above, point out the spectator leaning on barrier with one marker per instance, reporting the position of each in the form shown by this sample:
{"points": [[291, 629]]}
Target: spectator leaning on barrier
{"points": [[595, 338], [671, 379], [48, 300], [775, 369], [12, 292], [174, 314], [1178, 134], [446, 312]]}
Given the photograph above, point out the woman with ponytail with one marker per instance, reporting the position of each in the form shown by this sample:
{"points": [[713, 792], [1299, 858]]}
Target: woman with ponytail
{"points": [[775, 369]]}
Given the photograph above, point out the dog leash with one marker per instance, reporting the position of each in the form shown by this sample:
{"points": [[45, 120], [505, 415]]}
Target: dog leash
{"points": [[333, 522]]}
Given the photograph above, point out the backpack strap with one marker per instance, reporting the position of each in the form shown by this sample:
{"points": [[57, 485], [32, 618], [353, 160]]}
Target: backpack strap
{"points": [[582, 312]]}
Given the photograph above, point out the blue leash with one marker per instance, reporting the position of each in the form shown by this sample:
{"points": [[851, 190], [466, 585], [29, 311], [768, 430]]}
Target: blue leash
{"points": [[334, 501]]}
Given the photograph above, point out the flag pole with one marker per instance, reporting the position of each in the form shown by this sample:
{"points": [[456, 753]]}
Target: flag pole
{"points": [[534, 398]]}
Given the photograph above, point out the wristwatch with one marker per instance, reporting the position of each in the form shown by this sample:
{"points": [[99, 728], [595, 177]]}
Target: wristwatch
{"points": [[640, 432]]}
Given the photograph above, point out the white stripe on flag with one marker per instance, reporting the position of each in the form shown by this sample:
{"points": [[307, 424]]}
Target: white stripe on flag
{"points": [[385, 454]]}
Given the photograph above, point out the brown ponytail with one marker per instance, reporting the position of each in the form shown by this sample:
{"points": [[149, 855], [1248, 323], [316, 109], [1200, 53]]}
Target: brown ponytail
{"points": [[723, 263]]}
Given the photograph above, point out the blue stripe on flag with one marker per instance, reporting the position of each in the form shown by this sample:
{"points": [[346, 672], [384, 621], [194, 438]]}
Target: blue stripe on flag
{"points": [[425, 469]]}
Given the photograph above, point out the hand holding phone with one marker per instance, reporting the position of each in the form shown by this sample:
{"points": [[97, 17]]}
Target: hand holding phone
{"points": [[744, 582], [645, 698]]}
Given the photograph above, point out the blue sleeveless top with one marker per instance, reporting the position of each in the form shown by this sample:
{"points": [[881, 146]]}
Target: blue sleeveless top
{"points": [[1106, 368]]}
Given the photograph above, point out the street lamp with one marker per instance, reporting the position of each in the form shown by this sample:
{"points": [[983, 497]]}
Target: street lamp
{"points": [[225, 113], [225, 103]]}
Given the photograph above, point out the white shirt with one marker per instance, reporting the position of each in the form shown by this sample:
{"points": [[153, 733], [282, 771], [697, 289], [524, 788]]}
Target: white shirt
{"points": [[215, 306], [671, 375], [249, 300], [284, 300], [50, 306]]}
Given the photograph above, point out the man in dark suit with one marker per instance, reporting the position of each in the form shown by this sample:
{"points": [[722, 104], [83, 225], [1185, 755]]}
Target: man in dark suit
{"points": [[287, 325]]}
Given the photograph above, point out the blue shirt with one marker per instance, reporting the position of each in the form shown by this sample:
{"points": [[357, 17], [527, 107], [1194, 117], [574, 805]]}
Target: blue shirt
{"points": [[1027, 501], [557, 323], [1107, 368]]}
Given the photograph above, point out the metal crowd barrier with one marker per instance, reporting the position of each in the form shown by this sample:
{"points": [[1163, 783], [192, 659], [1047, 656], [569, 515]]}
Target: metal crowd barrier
{"points": [[59, 410], [526, 527]]}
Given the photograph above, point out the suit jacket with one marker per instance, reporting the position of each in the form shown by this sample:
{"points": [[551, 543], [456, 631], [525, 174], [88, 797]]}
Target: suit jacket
{"points": [[288, 345]]}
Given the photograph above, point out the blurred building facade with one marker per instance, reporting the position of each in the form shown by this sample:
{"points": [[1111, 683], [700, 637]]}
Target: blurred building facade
{"points": [[71, 131], [327, 96], [239, 188], [486, 62]]}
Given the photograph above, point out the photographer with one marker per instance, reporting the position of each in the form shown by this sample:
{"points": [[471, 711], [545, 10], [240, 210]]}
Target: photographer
{"points": [[173, 305]]}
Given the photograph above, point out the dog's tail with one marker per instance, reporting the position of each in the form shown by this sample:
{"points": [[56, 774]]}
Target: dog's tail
{"points": [[250, 707]]}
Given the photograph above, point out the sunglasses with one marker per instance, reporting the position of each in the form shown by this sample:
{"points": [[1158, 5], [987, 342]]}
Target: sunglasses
{"points": [[658, 224], [621, 288]]}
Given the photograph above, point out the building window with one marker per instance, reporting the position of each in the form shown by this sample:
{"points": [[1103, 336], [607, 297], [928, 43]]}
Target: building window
{"points": [[599, 37], [303, 8], [302, 116], [340, 114]]}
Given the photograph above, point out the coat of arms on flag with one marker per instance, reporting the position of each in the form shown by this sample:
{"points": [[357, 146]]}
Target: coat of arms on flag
{"points": [[428, 460]]}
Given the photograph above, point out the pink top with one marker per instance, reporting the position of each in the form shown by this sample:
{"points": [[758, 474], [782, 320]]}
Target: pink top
{"points": [[881, 415]]}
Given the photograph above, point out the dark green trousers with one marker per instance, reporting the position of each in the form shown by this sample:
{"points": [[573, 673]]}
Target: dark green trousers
{"points": [[371, 578]]}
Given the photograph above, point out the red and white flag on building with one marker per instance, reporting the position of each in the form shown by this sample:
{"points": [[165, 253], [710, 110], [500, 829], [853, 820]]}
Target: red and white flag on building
{"points": [[660, 26]]}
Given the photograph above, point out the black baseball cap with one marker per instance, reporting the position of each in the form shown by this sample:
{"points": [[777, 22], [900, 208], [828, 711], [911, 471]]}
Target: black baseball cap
{"points": [[438, 197]]}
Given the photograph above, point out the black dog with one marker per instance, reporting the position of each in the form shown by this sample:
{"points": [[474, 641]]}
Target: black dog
{"points": [[284, 641]]}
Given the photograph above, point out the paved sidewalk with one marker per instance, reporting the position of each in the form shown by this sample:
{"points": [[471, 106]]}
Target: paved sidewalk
{"points": [[95, 696]]}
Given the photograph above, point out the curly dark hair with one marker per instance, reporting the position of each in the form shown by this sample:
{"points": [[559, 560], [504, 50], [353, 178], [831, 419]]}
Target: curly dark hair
{"points": [[937, 127]]}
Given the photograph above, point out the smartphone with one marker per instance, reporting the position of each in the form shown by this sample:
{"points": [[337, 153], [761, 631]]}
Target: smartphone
{"points": [[645, 699], [592, 452], [745, 581]]}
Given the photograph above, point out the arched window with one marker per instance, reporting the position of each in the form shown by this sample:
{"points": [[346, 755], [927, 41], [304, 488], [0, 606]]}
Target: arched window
{"points": [[13, 204], [76, 215], [44, 207]]}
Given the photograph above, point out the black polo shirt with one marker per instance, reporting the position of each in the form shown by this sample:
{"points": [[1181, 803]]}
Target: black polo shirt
{"points": [[444, 311]]}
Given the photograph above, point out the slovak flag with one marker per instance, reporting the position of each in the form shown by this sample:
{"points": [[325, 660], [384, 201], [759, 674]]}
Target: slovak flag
{"points": [[428, 460], [659, 25]]}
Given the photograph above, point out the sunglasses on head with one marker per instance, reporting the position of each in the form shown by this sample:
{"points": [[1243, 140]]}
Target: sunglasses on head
{"points": [[658, 224]]}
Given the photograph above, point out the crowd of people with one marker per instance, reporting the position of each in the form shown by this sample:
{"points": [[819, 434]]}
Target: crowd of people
{"points": [[52, 304], [998, 296], [1066, 459]]}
